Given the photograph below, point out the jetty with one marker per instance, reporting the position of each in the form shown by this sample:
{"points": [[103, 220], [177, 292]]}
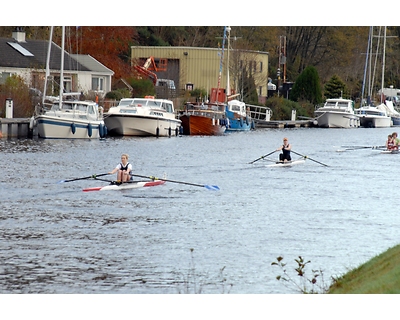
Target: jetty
{"points": [[284, 124], [15, 128], [262, 119]]}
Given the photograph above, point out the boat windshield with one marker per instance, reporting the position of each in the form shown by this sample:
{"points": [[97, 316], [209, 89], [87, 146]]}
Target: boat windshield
{"points": [[125, 102]]}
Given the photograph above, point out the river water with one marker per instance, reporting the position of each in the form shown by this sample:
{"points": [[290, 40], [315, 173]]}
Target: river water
{"points": [[178, 238]]}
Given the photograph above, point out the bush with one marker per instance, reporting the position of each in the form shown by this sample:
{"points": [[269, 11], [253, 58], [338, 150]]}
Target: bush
{"points": [[282, 108], [16, 89]]}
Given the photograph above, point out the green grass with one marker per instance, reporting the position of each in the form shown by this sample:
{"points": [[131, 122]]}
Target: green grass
{"points": [[379, 275]]}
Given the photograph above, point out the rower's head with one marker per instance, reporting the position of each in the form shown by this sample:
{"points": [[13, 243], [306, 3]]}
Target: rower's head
{"points": [[125, 157]]}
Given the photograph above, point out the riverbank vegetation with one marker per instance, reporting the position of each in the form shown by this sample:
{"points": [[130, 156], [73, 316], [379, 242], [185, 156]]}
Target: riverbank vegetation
{"points": [[379, 275]]}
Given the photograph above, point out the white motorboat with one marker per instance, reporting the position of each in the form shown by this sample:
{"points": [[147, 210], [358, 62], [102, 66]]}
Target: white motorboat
{"points": [[373, 117], [142, 117], [337, 113], [72, 119]]}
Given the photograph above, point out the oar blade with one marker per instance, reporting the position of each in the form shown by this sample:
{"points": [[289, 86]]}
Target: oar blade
{"points": [[212, 187]]}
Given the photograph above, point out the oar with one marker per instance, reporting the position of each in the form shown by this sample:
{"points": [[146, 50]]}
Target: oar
{"points": [[262, 157], [362, 147], [209, 187], [306, 157], [93, 176]]}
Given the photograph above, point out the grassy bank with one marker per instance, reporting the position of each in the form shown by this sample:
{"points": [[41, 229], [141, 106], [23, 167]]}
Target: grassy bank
{"points": [[379, 275]]}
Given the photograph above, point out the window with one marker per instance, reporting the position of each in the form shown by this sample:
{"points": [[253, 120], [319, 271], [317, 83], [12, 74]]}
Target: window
{"points": [[4, 76], [97, 84], [261, 66], [260, 90]]}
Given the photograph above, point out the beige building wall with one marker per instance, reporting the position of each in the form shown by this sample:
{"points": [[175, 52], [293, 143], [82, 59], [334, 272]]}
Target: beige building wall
{"points": [[201, 66]]}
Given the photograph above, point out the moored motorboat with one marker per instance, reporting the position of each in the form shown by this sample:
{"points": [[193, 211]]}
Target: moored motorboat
{"points": [[71, 119], [337, 113], [126, 185], [373, 117], [203, 119], [142, 117], [239, 119]]}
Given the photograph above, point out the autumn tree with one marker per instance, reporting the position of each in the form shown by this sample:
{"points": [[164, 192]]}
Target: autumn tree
{"points": [[109, 45]]}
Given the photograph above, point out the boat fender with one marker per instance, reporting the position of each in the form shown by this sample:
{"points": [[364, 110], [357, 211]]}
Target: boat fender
{"points": [[213, 121], [169, 131], [181, 130], [73, 128], [241, 122], [101, 130], [157, 132], [90, 129], [176, 131], [32, 123]]}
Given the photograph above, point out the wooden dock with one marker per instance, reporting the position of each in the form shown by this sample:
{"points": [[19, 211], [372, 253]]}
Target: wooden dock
{"points": [[284, 124], [15, 128]]}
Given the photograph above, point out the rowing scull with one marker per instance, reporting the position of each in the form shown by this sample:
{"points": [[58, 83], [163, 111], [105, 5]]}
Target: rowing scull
{"points": [[126, 185], [286, 163]]}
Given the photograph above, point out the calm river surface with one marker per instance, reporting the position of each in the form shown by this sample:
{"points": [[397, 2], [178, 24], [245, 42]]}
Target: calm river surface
{"points": [[57, 239]]}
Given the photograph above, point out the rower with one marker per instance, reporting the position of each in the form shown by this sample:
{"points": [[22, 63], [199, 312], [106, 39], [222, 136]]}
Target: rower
{"points": [[285, 148], [124, 169]]}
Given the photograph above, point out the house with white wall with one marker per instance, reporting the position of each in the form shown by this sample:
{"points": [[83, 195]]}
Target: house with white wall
{"points": [[27, 58]]}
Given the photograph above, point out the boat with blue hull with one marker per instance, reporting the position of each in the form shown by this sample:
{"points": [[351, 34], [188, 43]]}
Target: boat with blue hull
{"points": [[238, 119]]}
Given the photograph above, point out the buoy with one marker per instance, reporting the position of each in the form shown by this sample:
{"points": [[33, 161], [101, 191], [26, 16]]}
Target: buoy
{"points": [[73, 128], [89, 129]]}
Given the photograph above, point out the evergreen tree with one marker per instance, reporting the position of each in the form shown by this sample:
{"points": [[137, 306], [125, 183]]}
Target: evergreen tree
{"points": [[307, 87], [335, 88]]}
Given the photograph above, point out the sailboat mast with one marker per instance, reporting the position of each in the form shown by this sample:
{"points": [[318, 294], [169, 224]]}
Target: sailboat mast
{"points": [[383, 63], [47, 66], [228, 86], [62, 67], [220, 65], [366, 65]]}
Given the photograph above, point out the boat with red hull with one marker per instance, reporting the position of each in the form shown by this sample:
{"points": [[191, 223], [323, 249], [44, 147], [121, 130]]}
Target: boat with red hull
{"points": [[203, 119]]}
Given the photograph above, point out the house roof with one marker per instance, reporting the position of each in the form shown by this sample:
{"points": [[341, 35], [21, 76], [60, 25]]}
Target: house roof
{"points": [[91, 63], [32, 54]]}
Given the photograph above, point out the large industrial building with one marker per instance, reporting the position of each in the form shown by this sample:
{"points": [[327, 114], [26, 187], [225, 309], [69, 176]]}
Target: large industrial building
{"points": [[199, 68]]}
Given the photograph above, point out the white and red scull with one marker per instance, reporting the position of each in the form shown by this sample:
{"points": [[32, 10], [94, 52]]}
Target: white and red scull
{"points": [[126, 185]]}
